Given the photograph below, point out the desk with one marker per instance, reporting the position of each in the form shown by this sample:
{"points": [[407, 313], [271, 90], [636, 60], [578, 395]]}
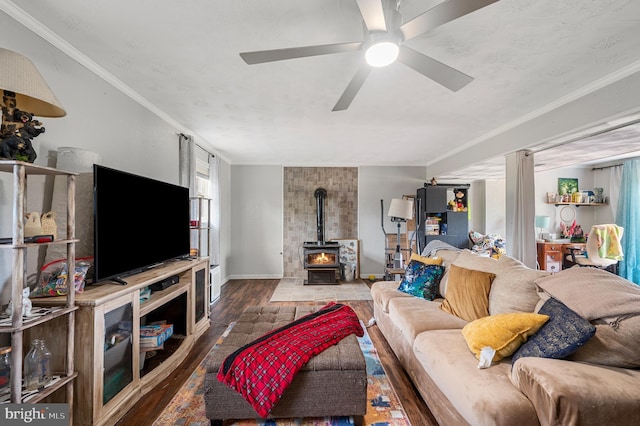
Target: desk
{"points": [[551, 254]]}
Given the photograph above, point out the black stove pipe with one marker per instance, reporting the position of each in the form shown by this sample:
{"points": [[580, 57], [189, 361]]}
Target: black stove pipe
{"points": [[321, 195]]}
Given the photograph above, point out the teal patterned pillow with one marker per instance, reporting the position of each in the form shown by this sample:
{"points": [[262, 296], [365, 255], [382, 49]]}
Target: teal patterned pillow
{"points": [[563, 334], [421, 280]]}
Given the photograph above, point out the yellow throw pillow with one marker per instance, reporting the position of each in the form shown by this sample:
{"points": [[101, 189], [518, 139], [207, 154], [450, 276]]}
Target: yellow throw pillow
{"points": [[467, 294], [426, 260], [502, 332]]}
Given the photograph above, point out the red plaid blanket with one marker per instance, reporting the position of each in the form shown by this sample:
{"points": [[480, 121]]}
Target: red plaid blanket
{"points": [[261, 370]]}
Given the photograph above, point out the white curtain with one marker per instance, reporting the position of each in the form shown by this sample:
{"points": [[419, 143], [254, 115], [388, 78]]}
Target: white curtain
{"points": [[520, 207], [199, 171], [187, 165], [216, 208]]}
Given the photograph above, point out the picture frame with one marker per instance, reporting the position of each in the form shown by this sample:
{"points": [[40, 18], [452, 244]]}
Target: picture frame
{"points": [[567, 186], [350, 252]]}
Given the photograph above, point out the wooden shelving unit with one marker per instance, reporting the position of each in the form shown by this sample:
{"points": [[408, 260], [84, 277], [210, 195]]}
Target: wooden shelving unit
{"points": [[44, 322], [200, 227], [432, 201]]}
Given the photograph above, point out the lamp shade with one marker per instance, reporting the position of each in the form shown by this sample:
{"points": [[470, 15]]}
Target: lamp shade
{"points": [[401, 208], [542, 222], [19, 75]]}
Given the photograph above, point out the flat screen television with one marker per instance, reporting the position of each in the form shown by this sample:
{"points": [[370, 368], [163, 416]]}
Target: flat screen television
{"points": [[139, 223]]}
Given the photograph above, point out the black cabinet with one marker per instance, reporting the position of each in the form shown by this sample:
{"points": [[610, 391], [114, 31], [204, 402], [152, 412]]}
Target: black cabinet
{"points": [[443, 215]]}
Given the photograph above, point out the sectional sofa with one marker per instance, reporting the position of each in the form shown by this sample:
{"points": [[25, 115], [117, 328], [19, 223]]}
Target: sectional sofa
{"points": [[576, 363]]}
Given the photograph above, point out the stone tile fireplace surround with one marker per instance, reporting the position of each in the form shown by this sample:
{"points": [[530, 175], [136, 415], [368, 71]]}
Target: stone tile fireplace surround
{"points": [[341, 210]]}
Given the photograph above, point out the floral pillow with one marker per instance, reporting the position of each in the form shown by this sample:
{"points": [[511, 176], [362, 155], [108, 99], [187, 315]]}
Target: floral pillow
{"points": [[421, 280]]}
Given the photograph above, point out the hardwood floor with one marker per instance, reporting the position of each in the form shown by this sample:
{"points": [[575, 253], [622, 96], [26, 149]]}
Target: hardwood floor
{"points": [[236, 295]]}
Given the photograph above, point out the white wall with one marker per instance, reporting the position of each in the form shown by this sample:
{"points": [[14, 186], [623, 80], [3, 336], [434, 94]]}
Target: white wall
{"points": [[496, 207], [375, 184], [99, 118], [256, 222]]}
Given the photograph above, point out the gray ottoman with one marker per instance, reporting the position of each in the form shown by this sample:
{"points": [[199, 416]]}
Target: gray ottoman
{"points": [[333, 383]]}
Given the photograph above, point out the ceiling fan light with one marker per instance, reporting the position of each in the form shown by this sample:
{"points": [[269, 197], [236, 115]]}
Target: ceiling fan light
{"points": [[382, 53]]}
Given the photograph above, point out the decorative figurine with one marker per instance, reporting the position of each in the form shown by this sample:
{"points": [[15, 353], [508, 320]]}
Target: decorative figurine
{"points": [[26, 304], [33, 226], [17, 130]]}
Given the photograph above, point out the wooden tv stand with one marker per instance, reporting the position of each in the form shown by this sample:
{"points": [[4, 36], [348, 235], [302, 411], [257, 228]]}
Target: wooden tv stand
{"points": [[111, 376]]}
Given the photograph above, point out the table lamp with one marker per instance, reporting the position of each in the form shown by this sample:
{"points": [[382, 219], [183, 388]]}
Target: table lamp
{"points": [[542, 222], [24, 94], [400, 211]]}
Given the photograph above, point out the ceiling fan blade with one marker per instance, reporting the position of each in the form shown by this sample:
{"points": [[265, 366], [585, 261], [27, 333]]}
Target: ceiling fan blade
{"points": [[352, 89], [373, 14], [442, 74], [297, 52], [441, 14]]}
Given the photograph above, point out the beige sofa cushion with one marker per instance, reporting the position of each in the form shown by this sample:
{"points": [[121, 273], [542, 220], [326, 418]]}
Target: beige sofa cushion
{"points": [[481, 396], [414, 315], [573, 393], [514, 288], [467, 293], [617, 346], [611, 303], [383, 291], [593, 293]]}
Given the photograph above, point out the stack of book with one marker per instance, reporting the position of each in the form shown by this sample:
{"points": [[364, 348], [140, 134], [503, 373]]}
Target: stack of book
{"points": [[153, 336]]}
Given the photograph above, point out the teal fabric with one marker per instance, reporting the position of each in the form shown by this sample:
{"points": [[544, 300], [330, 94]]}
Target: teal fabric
{"points": [[563, 334], [421, 280], [627, 217]]}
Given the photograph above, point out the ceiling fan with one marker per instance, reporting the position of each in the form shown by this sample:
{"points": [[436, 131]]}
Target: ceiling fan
{"points": [[382, 44]]}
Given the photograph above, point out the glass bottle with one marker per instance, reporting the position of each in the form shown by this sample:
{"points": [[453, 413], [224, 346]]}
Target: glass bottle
{"points": [[5, 369], [37, 365]]}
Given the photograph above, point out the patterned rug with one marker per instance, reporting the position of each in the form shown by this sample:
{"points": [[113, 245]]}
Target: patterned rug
{"points": [[294, 290], [384, 409]]}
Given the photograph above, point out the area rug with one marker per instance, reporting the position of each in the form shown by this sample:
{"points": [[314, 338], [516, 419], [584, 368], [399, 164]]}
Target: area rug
{"points": [[294, 290], [187, 406]]}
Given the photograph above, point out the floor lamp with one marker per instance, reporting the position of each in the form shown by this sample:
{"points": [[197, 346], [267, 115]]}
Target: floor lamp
{"points": [[400, 211]]}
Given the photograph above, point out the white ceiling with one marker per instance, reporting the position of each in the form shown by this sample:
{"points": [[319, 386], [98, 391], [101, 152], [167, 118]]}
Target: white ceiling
{"points": [[180, 58]]}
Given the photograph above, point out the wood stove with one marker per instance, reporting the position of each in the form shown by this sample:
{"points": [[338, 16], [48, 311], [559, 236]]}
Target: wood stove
{"points": [[322, 262], [321, 258]]}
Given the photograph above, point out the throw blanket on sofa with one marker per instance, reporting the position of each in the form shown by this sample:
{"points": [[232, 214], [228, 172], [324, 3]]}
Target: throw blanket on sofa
{"points": [[261, 370]]}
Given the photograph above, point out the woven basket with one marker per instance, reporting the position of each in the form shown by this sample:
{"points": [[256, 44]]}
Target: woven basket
{"points": [[48, 224]]}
